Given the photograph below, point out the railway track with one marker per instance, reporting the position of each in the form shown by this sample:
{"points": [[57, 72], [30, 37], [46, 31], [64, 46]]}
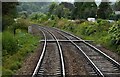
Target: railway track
{"points": [[102, 63], [97, 62], [51, 61]]}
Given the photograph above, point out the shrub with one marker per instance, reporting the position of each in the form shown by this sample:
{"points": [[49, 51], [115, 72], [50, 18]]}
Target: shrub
{"points": [[23, 24], [118, 49], [26, 44], [16, 65], [90, 30], [115, 33], [7, 20], [20, 24], [99, 20], [40, 17], [6, 72], [25, 38], [86, 28], [9, 43]]}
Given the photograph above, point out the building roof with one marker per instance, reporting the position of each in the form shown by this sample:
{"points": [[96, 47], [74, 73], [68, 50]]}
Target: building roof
{"points": [[117, 12]]}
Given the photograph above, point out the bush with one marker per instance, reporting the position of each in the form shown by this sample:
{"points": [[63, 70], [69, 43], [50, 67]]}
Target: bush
{"points": [[115, 33], [15, 66], [23, 24], [26, 44], [6, 72], [39, 17], [87, 28], [118, 49], [9, 43], [25, 38], [7, 20]]}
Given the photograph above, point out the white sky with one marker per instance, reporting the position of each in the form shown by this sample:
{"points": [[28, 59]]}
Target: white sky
{"points": [[54, 0], [67, 0]]}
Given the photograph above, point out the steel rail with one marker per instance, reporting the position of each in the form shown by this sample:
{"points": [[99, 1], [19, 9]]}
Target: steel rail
{"points": [[93, 47], [91, 62], [60, 50], [63, 40], [41, 57]]}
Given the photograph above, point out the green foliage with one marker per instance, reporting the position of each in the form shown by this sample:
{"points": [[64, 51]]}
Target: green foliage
{"points": [[23, 14], [6, 21], [9, 8], [82, 10], [23, 38], [103, 25], [8, 13], [9, 43], [59, 10], [19, 24], [87, 28], [69, 26], [7, 73], [16, 65], [104, 10], [39, 17], [101, 31], [22, 24], [115, 33], [52, 8], [118, 49], [117, 5], [26, 44], [31, 7]]}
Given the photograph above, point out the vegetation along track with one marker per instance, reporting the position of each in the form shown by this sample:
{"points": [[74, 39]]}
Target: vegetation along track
{"points": [[96, 62]]}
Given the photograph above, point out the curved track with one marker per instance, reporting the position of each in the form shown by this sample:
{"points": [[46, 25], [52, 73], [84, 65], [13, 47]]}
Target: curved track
{"points": [[103, 64], [51, 61], [100, 63]]}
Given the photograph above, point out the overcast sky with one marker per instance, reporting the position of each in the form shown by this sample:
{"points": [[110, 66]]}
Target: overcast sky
{"points": [[54, 0]]}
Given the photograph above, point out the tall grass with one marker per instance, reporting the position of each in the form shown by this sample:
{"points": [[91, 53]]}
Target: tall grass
{"points": [[22, 43], [9, 43], [16, 44]]}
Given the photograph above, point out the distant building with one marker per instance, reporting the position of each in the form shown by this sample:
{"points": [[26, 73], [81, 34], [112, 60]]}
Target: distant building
{"points": [[117, 12], [91, 19]]}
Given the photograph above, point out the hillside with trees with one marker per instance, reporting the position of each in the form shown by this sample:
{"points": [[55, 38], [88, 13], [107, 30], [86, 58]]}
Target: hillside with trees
{"points": [[31, 7]]}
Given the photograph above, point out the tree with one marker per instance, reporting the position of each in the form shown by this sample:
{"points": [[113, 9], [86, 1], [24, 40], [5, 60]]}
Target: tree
{"points": [[52, 8], [9, 12], [84, 10], [9, 8], [117, 6], [77, 12], [104, 10], [59, 10]]}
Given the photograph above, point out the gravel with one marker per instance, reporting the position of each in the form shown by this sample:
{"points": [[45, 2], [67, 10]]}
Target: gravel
{"points": [[74, 63]]}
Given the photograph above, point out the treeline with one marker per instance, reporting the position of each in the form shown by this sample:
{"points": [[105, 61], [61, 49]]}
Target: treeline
{"points": [[9, 12], [31, 7], [77, 10], [83, 10]]}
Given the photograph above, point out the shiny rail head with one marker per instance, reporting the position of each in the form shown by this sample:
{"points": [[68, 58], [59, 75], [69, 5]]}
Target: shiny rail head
{"points": [[64, 41]]}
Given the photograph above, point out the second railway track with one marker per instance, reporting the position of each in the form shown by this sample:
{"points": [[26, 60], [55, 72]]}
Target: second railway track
{"points": [[103, 64], [95, 61]]}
